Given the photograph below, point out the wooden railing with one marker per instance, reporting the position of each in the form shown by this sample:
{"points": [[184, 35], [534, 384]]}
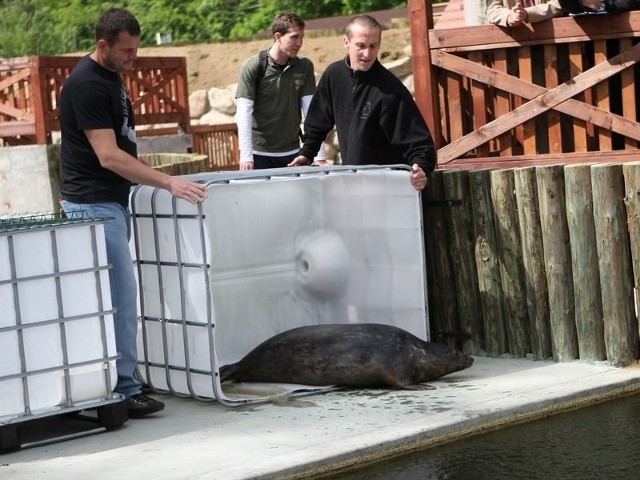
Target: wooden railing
{"points": [[560, 91], [30, 89], [219, 143]]}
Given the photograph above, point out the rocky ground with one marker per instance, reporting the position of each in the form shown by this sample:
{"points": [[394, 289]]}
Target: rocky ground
{"points": [[218, 64]]}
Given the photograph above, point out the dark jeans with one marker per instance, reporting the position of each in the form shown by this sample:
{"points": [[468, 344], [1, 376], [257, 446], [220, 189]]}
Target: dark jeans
{"points": [[263, 161]]}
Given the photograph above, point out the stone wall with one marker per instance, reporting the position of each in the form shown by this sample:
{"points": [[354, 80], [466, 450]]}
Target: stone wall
{"points": [[29, 180]]}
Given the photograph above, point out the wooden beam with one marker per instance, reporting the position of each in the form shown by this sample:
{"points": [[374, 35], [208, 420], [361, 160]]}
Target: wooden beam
{"points": [[425, 86]]}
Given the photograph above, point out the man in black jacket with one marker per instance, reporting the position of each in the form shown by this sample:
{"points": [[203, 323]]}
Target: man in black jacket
{"points": [[376, 118]]}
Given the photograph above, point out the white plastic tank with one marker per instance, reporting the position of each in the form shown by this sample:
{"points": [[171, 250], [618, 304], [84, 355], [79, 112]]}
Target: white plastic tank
{"points": [[56, 328], [270, 250]]}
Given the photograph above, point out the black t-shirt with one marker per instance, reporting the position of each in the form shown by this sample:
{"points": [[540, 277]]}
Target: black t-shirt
{"points": [[93, 98]]}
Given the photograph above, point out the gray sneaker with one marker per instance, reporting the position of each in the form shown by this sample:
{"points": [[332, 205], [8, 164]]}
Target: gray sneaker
{"points": [[139, 405]]}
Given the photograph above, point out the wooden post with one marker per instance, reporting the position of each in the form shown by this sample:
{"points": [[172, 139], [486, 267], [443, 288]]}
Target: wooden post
{"points": [[510, 260], [487, 264], [584, 263], [557, 256], [425, 87], [631, 172], [459, 220], [533, 261], [620, 324], [38, 104], [443, 316], [182, 94]]}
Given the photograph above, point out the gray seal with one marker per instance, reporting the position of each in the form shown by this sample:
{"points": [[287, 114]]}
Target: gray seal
{"points": [[365, 355]]}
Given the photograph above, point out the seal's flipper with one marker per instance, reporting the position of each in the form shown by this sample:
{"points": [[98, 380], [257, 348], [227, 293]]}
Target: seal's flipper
{"points": [[421, 386]]}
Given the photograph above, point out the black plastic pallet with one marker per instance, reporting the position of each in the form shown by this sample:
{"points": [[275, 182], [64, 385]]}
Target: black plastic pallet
{"points": [[35, 431]]}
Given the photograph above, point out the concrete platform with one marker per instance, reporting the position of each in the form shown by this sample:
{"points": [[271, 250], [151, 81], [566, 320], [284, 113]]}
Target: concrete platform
{"points": [[308, 436]]}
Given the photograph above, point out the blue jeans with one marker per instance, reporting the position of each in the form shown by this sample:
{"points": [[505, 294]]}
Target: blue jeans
{"points": [[124, 289]]}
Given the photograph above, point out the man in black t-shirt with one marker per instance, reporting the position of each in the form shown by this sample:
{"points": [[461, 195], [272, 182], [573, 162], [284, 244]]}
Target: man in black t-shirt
{"points": [[99, 164]]}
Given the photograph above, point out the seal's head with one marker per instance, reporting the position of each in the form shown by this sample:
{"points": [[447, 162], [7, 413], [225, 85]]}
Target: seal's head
{"points": [[437, 360]]}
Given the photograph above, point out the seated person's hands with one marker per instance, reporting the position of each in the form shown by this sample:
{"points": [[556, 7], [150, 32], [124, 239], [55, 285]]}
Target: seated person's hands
{"points": [[517, 16]]}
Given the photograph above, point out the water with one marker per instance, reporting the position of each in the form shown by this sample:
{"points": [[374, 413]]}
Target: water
{"points": [[598, 442]]}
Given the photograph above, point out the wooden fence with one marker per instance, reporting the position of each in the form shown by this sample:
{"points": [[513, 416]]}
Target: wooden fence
{"points": [[219, 143], [531, 219], [541, 261], [30, 88], [559, 91]]}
